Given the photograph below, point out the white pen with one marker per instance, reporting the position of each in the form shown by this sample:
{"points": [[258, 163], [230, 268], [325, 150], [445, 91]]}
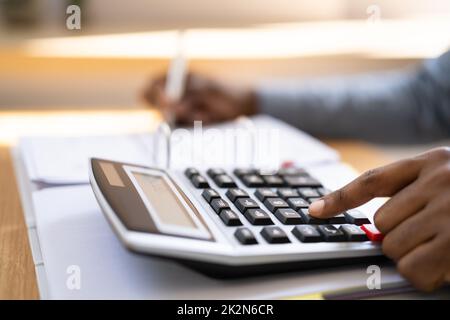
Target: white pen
{"points": [[176, 77]]}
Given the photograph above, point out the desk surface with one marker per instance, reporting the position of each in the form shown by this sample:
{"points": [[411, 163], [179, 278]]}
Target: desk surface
{"points": [[17, 275]]}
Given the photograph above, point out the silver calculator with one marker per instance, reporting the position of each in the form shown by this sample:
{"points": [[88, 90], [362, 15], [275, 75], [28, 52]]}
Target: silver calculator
{"points": [[228, 222]]}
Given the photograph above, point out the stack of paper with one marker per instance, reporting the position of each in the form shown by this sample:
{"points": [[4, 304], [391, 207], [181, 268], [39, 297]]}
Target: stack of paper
{"points": [[55, 160], [264, 142]]}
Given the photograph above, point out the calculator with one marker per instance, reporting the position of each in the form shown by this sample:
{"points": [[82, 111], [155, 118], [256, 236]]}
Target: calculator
{"points": [[228, 222]]}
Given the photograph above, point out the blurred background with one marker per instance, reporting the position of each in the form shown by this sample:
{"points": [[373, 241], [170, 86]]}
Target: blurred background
{"points": [[121, 45]]}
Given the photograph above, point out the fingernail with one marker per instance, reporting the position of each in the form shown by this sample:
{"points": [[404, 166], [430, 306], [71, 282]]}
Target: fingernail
{"points": [[316, 207]]}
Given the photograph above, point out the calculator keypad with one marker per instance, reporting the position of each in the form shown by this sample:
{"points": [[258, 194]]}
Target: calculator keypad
{"points": [[190, 172], [252, 181], [219, 204], [213, 172], [243, 172], [353, 233], [308, 193], [297, 203], [230, 218], [356, 217], [338, 219], [310, 219], [330, 233], [264, 193], [288, 216], [273, 208], [287, 193], [274, 235], [224, 181], [307, 233], [243, 204], [273, 181], [258, 217], [235, 193], [210, 194], [245, 236], [273, 204], [199, 182], [301, 181]]}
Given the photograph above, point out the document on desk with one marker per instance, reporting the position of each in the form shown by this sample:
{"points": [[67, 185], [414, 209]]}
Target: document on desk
{"points": [[64, 160], [84, 259], [264, 141]]}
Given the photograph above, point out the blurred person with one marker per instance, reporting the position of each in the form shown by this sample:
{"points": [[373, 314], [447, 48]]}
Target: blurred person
{"points": [[406, 106]]}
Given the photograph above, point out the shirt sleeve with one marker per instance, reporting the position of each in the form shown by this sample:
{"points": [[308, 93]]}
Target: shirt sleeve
{"points": [[408, 106]]}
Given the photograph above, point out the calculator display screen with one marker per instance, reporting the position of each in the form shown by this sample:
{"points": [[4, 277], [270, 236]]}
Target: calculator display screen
{"points": [[166, 204]]}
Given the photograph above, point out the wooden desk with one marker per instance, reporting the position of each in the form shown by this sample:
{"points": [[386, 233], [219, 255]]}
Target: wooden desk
{"points": [[17, 276]]}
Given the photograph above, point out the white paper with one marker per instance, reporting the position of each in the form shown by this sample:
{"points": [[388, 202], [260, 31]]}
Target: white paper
{"points": [[65, 160], [266, 143], [74, 233]]}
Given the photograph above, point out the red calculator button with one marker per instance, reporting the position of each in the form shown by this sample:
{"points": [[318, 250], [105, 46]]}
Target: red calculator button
{"points": [[287, 164], [372, 233]]}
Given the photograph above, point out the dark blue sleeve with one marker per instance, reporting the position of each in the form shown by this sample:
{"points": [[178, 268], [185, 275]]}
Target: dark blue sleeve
{"points": [[408, 106]]}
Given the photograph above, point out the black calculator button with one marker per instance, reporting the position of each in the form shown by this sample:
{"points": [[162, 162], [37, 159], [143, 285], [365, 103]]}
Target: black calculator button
{"points": [[356, 217], [273, 181], [311, 200], [264, 193], [286, 193], [243, 172], [297, 203], [219, 205], [274, 235], [190, 172], [273, 204], [308, 219], [266, 172], [309, 192], [253, 181], [323, 191], [224, 181], [236, 193], [306, 233], [210, 194], [258, 217], [293, 172], [331, 234], [199, 182], [288, 216], [215, 172], [339, 219], [230, 218], [243, 204], [301, 181], [353, 233], [245, 236]]}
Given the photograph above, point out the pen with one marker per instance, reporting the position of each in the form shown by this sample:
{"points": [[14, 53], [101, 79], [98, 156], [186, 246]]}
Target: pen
{"points": [[176, 77]]}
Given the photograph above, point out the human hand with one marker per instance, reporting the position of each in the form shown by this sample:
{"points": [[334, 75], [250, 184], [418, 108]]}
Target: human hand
{"points": [[203, 100], [415, 220]]}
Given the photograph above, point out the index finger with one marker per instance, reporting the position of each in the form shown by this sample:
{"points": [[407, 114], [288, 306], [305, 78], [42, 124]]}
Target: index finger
{"points": [[380, 182]]}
